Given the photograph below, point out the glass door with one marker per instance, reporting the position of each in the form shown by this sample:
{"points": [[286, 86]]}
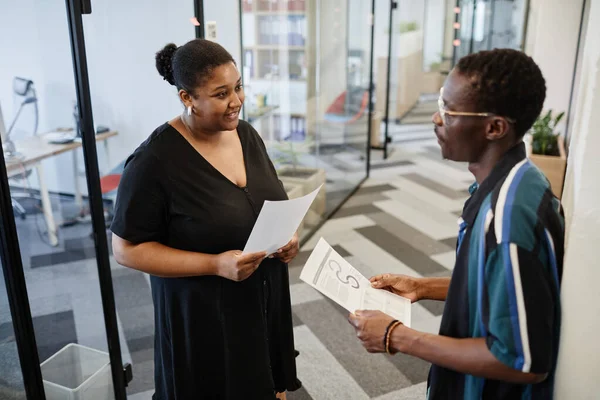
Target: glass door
{"points": [[489, 24], [306, 70], [55, 256]]}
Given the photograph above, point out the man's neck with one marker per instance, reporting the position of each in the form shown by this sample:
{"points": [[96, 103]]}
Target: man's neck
{"points": [[492, 155]]}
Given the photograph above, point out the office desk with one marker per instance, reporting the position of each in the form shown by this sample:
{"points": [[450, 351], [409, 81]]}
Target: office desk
{"points": [[33, 151]]}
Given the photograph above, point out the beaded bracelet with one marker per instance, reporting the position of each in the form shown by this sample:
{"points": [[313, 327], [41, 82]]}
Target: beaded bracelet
{"points": [[387, 331], [388, 334]]}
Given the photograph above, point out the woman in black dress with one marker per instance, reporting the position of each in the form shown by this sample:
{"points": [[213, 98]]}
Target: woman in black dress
{"points": [[187, 202]]}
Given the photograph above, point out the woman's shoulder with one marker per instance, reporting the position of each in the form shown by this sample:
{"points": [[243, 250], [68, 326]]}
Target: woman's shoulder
{"points": [[152, 150], [250, 133]]}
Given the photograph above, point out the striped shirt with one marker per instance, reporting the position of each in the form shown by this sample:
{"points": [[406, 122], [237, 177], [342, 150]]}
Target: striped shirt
{"points": [[506, 281]]}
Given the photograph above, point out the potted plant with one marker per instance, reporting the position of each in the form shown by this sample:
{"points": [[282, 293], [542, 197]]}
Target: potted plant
{"points": [[548, 150], [433, 79]]}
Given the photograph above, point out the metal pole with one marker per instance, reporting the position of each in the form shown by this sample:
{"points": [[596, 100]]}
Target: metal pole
{"points": [[82, 85], [456, 34], [199, 14], [472, 45], [571, 94], [371, 88], [393, 5], [491, 31], [242, 53]]}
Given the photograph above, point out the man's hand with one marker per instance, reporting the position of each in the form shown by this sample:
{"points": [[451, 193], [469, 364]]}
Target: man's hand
{"points": [[288, 252], [402, 285], [370, 328]]}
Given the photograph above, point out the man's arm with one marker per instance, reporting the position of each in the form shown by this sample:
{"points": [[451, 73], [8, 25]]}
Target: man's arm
{"points": [[433, 288], [467, 356]]}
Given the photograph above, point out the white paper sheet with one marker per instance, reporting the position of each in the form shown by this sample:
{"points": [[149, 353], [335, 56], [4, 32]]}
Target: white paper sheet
{"points": [[277, 223], [332, 275]]}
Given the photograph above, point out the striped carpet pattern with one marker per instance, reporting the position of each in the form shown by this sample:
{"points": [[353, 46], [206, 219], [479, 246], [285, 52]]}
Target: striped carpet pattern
{"points": [[402, 220]]}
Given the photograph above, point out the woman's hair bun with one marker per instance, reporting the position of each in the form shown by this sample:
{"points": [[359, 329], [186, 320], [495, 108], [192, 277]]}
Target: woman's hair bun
{"points": [[164, 62]]}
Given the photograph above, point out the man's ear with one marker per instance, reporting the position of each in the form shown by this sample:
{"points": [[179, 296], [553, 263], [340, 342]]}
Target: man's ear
{"points": [[497, 128]]}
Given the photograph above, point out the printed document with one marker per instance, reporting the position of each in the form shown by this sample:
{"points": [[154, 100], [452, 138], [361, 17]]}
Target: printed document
{"points": [[332, 275], [277, 223]]}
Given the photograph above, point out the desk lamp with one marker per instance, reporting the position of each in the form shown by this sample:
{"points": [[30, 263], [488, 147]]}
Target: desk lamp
{"points": [[22, 87]]}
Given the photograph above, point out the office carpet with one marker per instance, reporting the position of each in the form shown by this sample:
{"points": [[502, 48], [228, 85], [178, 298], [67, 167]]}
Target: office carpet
{"points": [[403, 220]]}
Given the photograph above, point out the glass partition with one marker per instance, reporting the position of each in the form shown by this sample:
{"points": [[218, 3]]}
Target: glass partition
{"points": [[410, 68], [130, 98], [306, 75], [42, 128], [11, 379], [489, 24]]}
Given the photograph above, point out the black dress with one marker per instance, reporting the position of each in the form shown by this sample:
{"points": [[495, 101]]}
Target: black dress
{"points": [[214, 338]]}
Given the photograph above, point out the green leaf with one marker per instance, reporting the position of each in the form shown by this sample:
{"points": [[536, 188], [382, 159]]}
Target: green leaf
{"points": [[558, 118]]}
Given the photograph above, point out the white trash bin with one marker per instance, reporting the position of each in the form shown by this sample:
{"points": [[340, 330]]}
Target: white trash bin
{"points": [[78, 373]]}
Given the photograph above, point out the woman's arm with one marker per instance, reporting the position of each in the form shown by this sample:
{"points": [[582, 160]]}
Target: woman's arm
{"points": [[160, 260]]}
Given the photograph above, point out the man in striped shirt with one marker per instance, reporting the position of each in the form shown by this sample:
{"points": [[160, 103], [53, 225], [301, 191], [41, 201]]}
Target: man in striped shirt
{"points": [[500, 328]]}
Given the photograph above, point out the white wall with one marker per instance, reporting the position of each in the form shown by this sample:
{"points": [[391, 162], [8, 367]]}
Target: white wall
{"points": [[551, 40], [433, 31], [579, 356], [38, 49], [226, 14], [122, 38], [128, 94]]}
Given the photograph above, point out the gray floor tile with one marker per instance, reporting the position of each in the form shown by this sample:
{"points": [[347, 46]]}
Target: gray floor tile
{"points": [[137, 323], [295, 274], [372, 372], [391, 164], [300, 259], [404, 252], [373, 190], [142, 356], [358, 210], [141, 395], [450, 242], [415, 392], [300, 394], [131, 290], [435, 307], [139, 344], [53, 332], [365, 199], [433, 185], [414, 369], [296, 321], [143, 377], [410, 235]]}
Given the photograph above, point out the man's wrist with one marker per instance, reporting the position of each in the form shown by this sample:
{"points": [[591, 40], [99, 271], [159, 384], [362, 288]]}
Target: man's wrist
{"points": [[422, 288], [403, 339]]}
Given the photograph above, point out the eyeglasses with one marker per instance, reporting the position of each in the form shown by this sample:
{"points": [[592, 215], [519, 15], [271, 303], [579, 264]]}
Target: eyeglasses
{"points": [[443, 112]]}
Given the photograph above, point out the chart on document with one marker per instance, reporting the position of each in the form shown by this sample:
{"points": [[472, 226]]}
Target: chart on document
{"points": [[336, 278]]}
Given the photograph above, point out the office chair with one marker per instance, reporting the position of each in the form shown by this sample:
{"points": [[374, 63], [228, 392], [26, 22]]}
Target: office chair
{"points": [[22, 88]]}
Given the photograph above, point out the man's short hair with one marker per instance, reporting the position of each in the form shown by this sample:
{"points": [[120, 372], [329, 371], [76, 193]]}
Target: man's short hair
{"points": [[506, 82]]}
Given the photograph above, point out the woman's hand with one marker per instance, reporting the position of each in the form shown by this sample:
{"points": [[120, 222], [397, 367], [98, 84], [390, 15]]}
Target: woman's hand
{"points": [[289, 251], [402, 285], [370, 328], [236, 266]]}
